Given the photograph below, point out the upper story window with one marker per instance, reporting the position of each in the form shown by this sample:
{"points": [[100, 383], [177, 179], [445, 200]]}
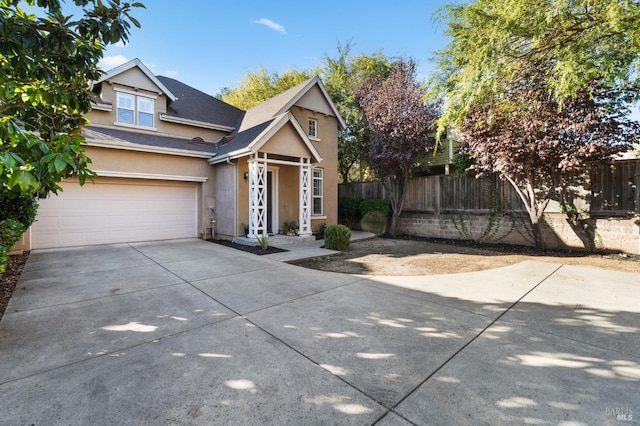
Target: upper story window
{"points": [[313, 128], [135, 110]]}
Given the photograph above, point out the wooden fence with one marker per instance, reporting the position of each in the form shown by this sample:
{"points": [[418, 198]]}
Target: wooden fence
{"points": [[614, 188]]}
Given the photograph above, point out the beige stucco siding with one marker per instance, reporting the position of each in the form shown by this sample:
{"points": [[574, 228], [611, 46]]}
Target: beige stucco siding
{"points": [[327, 147], [314, 100], [286, 142], [156, 166], [225, 195], [145, 88]]}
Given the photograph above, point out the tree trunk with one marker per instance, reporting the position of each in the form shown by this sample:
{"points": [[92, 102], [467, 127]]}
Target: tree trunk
{"points": [[395, 193], [535, 229]]}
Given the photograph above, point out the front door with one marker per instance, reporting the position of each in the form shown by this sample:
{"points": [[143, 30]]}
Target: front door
{"points": [[270, 201]]}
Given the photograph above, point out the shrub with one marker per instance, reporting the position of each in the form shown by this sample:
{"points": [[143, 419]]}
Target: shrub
{"points": [[349, 209], [10, 232], [337, 237], [20, 207], [382, 206]]}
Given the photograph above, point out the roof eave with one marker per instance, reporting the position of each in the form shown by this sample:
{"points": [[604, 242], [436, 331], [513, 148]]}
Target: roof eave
{"points": [[138, 63]]}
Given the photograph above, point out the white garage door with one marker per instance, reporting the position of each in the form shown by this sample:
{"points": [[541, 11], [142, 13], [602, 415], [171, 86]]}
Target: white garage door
{"points": [[116, 211]]}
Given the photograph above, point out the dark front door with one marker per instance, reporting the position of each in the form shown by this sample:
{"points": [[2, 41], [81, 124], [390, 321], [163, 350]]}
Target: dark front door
{"points": [[270, 202]]}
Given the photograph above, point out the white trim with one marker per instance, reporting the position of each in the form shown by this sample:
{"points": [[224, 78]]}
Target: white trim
{"points": [[204, 125], [305, 89], [314, 139], [283, 162], [315, 127], [318, 217], [275, 221], [153, 176], [135, 93], [137, 63], [128, 146], [134, 126], [102, 107], [264, 137]]}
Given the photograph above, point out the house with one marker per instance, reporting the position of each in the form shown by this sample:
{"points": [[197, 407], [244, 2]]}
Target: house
{"points": [[173, 162]]}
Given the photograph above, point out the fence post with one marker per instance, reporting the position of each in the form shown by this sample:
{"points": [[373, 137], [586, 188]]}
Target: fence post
{"points": [[637, 187], [438, 195]]}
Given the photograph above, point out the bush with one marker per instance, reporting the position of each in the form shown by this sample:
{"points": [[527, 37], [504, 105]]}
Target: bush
{"points": [[382, 206], [349, 209], [10, 232], [337, 237], [20, 207]]}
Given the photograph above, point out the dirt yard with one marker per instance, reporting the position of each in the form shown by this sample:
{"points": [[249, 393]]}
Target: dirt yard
{"points": [[385, 256]]}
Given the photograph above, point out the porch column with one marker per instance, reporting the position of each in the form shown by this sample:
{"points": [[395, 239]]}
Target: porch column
{"points": [[257, 195], [305, 197]]}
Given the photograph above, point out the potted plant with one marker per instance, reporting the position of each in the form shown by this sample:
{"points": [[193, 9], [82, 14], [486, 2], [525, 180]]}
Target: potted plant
{"points": [[246, 229], [290, 228]]}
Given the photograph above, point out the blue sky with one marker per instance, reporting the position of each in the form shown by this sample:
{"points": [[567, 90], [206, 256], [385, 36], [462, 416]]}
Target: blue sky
{"points": [[211, 44]]}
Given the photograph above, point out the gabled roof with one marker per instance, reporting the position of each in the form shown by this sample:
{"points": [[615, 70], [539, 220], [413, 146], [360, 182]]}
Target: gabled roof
{"points": [[195, 107], [283, 102], [137, 63], [251, 140]]}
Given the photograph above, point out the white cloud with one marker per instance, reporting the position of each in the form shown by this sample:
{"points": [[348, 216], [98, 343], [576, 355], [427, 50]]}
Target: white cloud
{"points": [[171, 73], [118, 44], [109, 62], [270, 24]]}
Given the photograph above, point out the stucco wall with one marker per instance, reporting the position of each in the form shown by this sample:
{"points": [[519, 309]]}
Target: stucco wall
{"points": [[113, 160], [224, 192], [128, 81], [618, 234], [327, 147]]}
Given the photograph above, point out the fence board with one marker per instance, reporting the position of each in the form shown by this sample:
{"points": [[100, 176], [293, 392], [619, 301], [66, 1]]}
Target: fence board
{"points": [[614, 187]]}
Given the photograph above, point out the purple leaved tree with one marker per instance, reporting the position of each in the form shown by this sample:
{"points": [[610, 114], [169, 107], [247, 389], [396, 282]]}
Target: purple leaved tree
{"points": [[541, 147], [400, 126]]}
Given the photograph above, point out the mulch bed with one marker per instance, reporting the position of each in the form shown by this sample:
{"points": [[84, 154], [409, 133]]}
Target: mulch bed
{"points": [[10, 278], [249, 249]]}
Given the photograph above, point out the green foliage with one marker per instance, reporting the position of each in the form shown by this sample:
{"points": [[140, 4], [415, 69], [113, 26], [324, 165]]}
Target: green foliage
{"points": [[381, 206], [349, 209], [18, 206], [570, 43], [462, 162], [10, 232], [263, 240], [337, 237], [260, 85], [290, 226], [47, 62], [321, 228], [341, 75]]}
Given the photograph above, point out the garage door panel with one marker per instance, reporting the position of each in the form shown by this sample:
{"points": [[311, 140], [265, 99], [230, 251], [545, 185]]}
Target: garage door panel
{"points": [[112, 212]]}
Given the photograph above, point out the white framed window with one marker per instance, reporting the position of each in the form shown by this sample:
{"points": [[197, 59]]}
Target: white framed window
{"points": [[317, 192], [145, 112], [313, 128], [134, 110], [125, 108]]}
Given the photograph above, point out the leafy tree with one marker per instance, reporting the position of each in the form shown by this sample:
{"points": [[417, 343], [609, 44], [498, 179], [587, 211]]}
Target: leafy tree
{"points": [[47, 62], [400, 126], [542, 147], [570, 43], [260, 85], [341, 75]]}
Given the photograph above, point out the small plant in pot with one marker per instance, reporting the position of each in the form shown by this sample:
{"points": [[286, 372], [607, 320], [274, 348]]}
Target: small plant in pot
{"points": [[246, 229], [290, 228]]}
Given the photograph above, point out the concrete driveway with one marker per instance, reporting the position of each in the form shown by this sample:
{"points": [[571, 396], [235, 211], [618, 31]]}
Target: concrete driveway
{"points": [[189, 332]]}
